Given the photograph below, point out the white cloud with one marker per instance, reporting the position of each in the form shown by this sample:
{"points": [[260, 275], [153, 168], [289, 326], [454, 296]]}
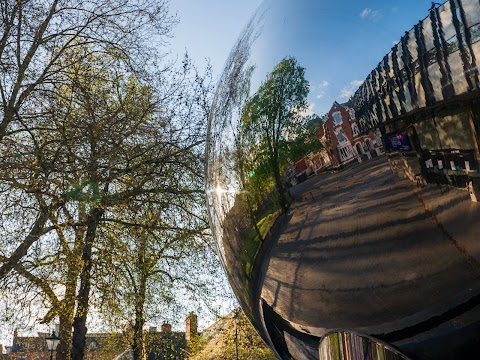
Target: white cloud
{"points": [[356, 83], [349, 90], [324, 84], [369, 14], [365, 12]]}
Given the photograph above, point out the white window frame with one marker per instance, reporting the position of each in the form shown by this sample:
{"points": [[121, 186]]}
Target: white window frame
{"points": [[378, 137], [345, 151], [355, 130], [365, 147], [351, 112], [341, 131], [335, 115], [360, 146]]}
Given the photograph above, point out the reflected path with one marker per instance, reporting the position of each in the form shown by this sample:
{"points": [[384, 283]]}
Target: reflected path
{"points": [[368, 251]]}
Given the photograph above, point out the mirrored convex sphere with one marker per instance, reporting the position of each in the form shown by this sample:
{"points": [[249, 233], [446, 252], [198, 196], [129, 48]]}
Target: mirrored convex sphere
{"points": [[343, 177]]}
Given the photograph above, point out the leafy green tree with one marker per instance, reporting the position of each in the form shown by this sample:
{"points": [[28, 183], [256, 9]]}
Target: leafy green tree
{"points": [[106, 145], [275, 131], [35, 38], [148, 269]]}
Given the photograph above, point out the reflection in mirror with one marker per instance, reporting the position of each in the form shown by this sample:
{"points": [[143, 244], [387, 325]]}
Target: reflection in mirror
{"points": [[356, 209]]}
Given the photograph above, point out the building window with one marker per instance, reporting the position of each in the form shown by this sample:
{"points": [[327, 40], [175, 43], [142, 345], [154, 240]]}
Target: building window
{"points": [[21, 357], [365, 147], [359, 149], [337, 118], [475, 33], [341, 137], [355, 130], [351, 112], [416, 67], [378, 138], [345, 152], [452, 44], [368, 145], [432, 56]]}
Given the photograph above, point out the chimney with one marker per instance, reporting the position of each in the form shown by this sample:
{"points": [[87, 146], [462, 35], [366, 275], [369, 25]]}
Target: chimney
{"points": [[166, 328], [152, 329], [57, 330], [191, 330]]}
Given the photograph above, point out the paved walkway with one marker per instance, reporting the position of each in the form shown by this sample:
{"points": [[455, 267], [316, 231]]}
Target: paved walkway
{"points": [[367, 251]]}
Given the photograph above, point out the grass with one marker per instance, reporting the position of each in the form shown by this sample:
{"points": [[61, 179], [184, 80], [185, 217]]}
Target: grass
{"points": [[266, 223]]}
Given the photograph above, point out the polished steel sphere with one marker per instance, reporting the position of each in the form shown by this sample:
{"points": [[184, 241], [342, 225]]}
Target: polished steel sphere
{"points": [[343, 177]]}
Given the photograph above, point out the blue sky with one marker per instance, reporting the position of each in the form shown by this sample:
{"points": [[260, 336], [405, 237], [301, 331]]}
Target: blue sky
{"points": [[338, 41], [209, 28]]}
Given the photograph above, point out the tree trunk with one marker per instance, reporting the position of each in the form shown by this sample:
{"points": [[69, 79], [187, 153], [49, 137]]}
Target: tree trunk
{"points": [[279, 185], [8, 117], [138, 345], [68, 310], [65, 336], [80, 320]]}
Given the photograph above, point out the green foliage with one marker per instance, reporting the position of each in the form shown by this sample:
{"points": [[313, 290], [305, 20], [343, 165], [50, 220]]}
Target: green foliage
{"points": [[276, 132], [114, 168], [273, 132], [218, 341], [267, 222]]}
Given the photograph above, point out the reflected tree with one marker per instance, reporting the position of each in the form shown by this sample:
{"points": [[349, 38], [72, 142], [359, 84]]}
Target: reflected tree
{"points": [[275, 130]]}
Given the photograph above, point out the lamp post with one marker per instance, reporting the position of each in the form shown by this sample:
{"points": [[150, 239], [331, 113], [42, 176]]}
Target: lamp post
{"points": [[52, 343], [235, 316]]}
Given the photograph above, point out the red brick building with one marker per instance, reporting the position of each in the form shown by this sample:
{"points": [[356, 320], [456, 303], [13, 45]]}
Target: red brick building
{"points": [[160, 345], [27, 348], [343, 141]]}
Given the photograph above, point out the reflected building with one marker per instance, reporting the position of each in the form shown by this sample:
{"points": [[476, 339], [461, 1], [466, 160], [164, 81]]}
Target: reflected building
{"points": [[343, 140], [380, 258], [426, 90]]}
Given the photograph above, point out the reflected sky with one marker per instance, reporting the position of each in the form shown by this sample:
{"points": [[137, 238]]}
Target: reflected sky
{"points": [[339, 42]]}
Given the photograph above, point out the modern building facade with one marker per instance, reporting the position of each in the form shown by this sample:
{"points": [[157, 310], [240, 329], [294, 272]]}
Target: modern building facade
{"points": [[427, 88]]}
